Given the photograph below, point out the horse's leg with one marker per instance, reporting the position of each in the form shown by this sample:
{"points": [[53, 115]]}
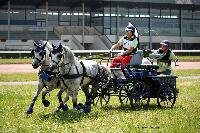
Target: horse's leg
{"points": [[65, 107], [75, 88], [85, 89], [66, 97], [40, 87], [62, 105], [45, 102]]}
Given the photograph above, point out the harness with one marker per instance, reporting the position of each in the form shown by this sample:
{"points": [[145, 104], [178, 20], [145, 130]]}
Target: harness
{"points": [[83, 75], [46, 75]]}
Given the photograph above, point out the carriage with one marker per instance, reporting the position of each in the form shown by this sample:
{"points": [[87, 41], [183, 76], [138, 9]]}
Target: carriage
{"points": [[136, 84]]}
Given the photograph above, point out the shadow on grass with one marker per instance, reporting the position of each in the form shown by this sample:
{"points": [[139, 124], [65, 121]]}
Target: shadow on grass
{"points": [[70, 116], [125, 108]]}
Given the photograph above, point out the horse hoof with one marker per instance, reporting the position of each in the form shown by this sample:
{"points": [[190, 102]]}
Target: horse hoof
{"points": [[46, 103], [57, 110], [87, 108], [65, 107], [29, 110], [80, 106]]}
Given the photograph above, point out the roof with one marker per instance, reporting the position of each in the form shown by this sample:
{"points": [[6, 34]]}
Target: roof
{"points": [[90, 3]]}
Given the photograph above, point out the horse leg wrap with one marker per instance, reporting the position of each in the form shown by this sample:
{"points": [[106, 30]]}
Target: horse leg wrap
{"points": [[65, 107], [87, 108], [29, 110], [46, 103]]}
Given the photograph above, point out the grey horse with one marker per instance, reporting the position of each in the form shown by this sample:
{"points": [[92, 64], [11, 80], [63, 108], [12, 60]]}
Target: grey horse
{"points": [[75, 74], [47, 78]]}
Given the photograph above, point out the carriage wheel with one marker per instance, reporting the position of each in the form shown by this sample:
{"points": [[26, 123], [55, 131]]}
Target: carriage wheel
{"points": [[166, 96], [124, 93], [102, 98], [140, 95], [123, 98], [103, 95]]}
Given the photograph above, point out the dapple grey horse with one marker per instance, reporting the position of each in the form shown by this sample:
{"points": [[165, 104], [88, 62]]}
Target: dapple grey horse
{"points": [[47, 78], [75, 74]]}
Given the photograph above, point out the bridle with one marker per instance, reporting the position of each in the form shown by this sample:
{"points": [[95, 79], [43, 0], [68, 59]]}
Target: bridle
{"points": [[59, 56], [42, 53]]}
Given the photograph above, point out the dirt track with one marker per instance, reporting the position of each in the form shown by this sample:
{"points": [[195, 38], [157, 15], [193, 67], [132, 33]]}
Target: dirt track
{"points": [[27, 68]]}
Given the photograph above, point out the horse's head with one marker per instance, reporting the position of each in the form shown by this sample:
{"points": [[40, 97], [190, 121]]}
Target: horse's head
{"points": [[56, 56], [38, 53]]}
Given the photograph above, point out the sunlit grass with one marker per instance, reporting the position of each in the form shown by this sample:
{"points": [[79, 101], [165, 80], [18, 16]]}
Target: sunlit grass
{"points": [[18, 77], [189, 72], [34, 76], [16, 61], [111, 118], [29, 60], [189, 58]]}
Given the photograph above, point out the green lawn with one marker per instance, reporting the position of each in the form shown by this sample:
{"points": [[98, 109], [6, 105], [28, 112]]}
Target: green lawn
{"points": [[29, 60], [189, 58], [34, 76], [16, 61], [111, 118], [18, 77]]}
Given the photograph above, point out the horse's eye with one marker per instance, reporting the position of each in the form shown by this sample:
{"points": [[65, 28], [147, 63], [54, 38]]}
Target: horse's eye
{"points": [[41, 53]]}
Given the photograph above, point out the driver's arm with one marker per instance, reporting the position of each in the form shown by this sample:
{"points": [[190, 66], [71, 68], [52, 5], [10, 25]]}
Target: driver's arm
{"points": [[119, 43], [115, 46]]}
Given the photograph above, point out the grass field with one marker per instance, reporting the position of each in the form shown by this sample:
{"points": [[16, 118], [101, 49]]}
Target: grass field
{"points": [[29, 60], [16, 61], [111, 118], [18, 77], [14, 100], [34, 76]]}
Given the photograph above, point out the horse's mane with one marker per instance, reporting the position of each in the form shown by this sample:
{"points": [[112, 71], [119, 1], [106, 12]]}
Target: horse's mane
{"points": [[48, 45], [69, 54]]}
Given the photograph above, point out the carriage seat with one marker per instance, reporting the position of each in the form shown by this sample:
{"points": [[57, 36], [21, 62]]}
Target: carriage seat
{"points": [[145, 66], [136, 58]]}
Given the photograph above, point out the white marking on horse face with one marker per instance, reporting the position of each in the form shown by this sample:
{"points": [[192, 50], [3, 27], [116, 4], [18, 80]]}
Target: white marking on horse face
{"points": [[56, 59], [38, 58]]}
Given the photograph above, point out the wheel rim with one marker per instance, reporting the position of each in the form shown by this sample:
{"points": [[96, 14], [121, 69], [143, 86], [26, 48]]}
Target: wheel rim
{"points": [[103, 95], [123, 96], [166, 96], [140, 95]]}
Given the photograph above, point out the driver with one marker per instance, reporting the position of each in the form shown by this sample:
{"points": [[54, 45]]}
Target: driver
{"points": [[129, 43]]}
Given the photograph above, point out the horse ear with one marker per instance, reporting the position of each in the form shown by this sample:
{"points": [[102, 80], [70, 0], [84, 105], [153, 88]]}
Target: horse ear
{"points": [[35, 44], [60, 46], [53, 46]]}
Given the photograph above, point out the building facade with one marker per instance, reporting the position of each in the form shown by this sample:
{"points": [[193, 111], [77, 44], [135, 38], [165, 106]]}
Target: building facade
{"points": [[175, 20]]}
